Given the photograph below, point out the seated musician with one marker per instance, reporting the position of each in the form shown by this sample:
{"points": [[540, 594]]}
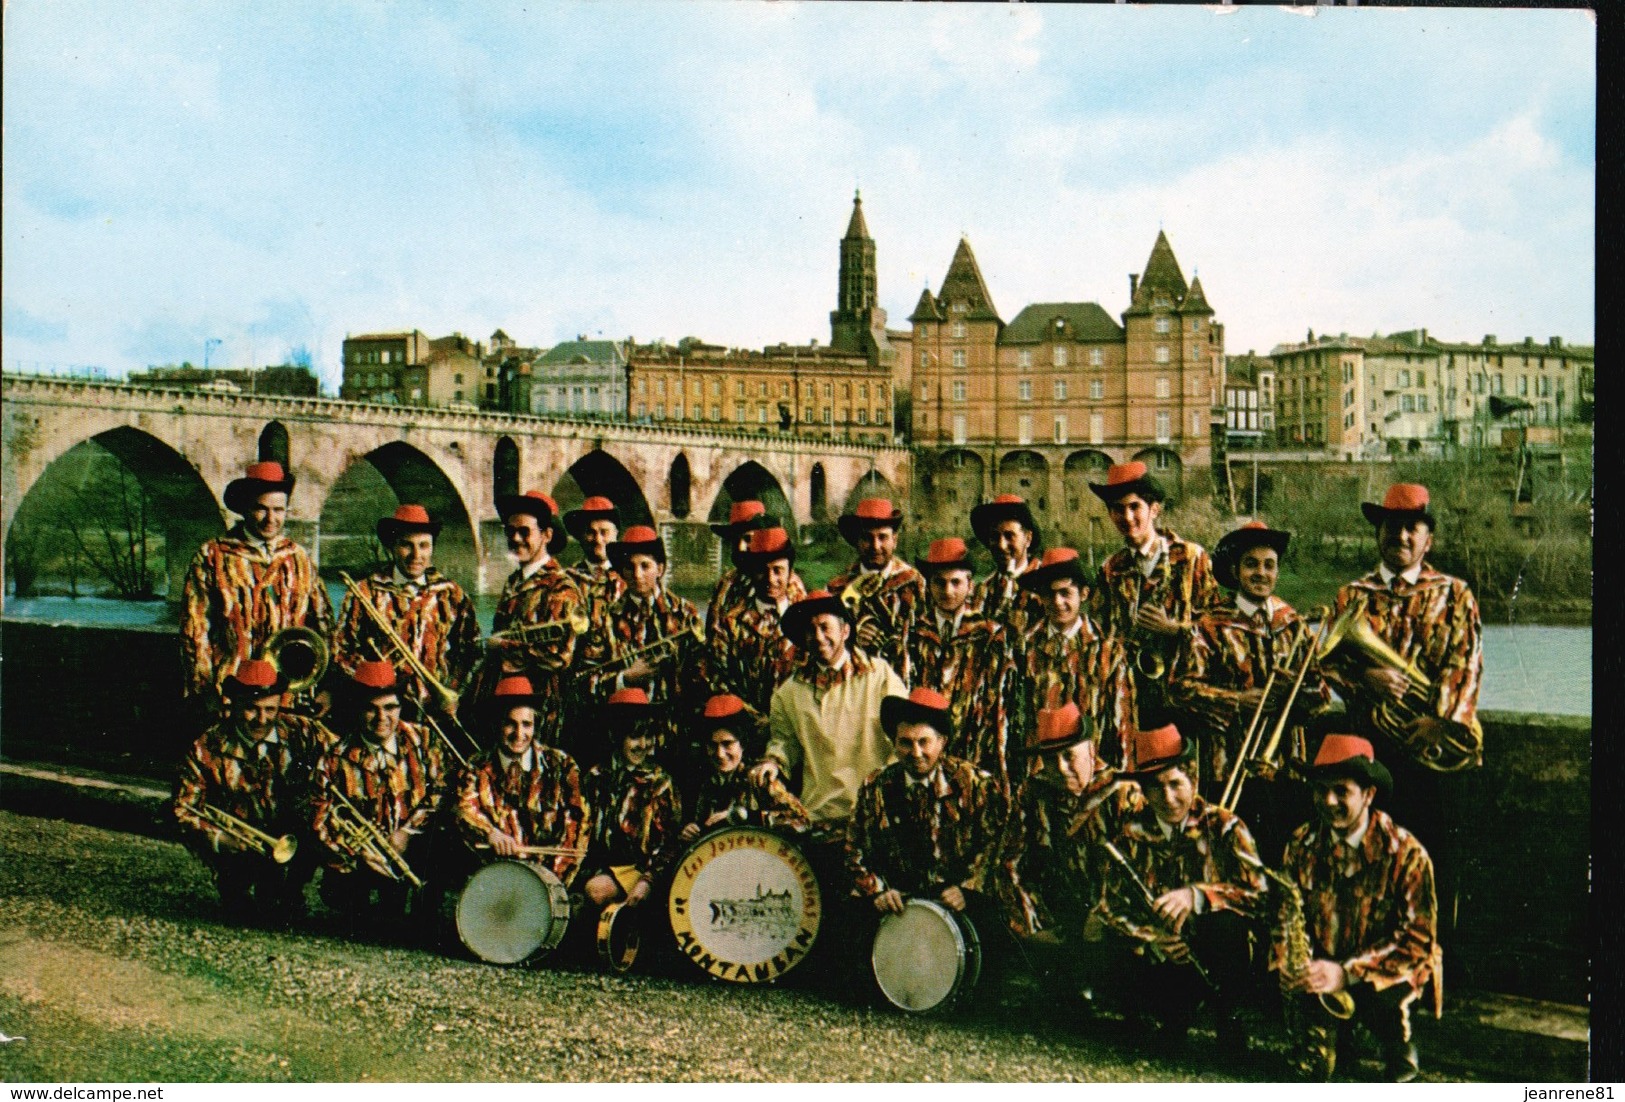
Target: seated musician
{"points": [[727, 796], [960, 651], [1005, 526], [747, 652], [1217, 683], [1178, 923], [1067, 658], [254, 768], [888, 590], [375, 796], [1369, 913], [731, 592], [523, 793], [426, 611], [635, 807]]}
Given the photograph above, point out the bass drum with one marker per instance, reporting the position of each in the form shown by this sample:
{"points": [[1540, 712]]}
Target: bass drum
{"points": [[926, 958], [745, 905], [512, 912]]}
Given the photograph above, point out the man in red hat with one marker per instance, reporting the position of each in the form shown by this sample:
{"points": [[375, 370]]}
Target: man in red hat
{"points": [[523, 792], [1152, 589], [427, 611], [727, 797], [958, 650], [648, 615], [636, 808], [1370, 918], [391, 773], [245, 586], [538, 592], [595, 525], [1066, 658], [254, 767], [884, 590], [1005, 526], [1217, 683], [748, 653], [732, 591], [1194, 891]]}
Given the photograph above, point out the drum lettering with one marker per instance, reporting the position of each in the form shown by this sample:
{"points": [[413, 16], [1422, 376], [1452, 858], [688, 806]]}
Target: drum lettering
{"points": [[706, 961], [804, 937], [685, 940], [679, 905], [765, 970]]}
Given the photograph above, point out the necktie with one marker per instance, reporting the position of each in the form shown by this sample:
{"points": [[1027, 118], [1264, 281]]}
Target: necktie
{"points": [[516, 775]]}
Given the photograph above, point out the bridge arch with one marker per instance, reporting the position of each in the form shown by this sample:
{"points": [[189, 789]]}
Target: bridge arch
{"points": [[1165, 464], [957, 477], [600, 473], [1026, 473], [751, 481], [1080, 469], [122, 497], [369, 488], [504, 467], [818, 495], [274, 444], [872, 484]]}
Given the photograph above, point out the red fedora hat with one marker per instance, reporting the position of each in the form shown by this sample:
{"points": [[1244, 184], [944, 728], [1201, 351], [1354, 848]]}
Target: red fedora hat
{"points": [[1150, 752], [766, 545], [407, 520], [1123, 479], [253, 679], [990, 514], [871, 512], [1352, 757], [744, 516], [920, 706], [945, 554], [1404, 501], [264, 477], [1057, 563], [1059, 729], [594, 508], [640, 539]]}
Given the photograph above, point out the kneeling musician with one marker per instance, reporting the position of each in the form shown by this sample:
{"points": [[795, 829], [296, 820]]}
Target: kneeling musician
{"points": [[728, 796]]}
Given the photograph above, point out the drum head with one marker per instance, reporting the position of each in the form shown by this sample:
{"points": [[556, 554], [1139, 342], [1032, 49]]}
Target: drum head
{"points": [[619, 937], [922, 957], [506, 913], [745, 905]]}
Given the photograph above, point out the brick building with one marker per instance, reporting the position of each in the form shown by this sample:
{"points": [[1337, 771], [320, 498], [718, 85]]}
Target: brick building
{"points": [[411, 369]]}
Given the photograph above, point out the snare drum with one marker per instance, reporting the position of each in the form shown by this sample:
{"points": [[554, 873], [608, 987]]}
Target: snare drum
{"points": [[745, 905], [619, 936], [926, 958], [512, 912]]}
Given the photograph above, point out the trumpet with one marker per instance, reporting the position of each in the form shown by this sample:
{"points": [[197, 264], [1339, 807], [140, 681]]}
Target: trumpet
{"points": [[363, 837], [300, 655], [280, 850], [575, 624], [445, 699], [695, 631], [1250, 758]]}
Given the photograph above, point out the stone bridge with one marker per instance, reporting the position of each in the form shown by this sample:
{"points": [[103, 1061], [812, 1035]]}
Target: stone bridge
{"points": [[355, 460]]}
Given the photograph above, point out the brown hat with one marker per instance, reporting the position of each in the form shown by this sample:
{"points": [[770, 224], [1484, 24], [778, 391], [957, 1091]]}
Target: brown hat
{"points": [[920, 706], [265, 477], [871, 512], [1057, 563], [407, 520], [1404, 501], [1123, 479], [1227, 554], [945, 554], [990, 514]]}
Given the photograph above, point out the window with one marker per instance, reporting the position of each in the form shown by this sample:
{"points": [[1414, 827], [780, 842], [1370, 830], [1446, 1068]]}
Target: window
{"points": [[660, 411], [1421, 377], [1024, 390], [716, 412], [807, 415], [784, 390], [828, 416], [959, 390], [1058, 357], [863, 391], [1407, 403], [1404, 377], [1523, 385], [1060, 390], [1421, 403], [1500, 383], [925, 392], [660, 387], [959, 308], [1162, 386], [959, 330], [1196, 423], [1348, 398], [925, 358], [677, 412], [959, 357], [846, 391], [417, 394], [1060, 428], [761, 413], [716, 390], [1163, 325], [698, 389], [1162, 353], [1196, 325], [643, 410], [1164, 426], [863, 417], [1096, 357], [1097, 428], [880, 417], [959, 428], [1024, 358], [1348, 372], [829, 390], [1024, 429], [739, 410], [384, 358], [761, 389], [1545, 386], [739, 388], [1097, 389]]}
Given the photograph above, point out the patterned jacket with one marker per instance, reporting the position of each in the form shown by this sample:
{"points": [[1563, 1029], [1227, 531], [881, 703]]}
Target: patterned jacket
{"points": [[977, 674], [400, 791], [893, 605], [547, 595], [236, 597], [922, 837], [749, 655], [1203, 853], [677, 681], [264, 782], [1053, 864], [541, 806], [744, 802], [1004, 600], [1229, 654], [1372, 910], [600, 589], [435, 618], [1087, 669], [634, 814], [1434, 623], [1181, 584]]}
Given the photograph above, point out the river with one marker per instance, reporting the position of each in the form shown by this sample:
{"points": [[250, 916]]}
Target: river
{"points": [[1527, 667]]}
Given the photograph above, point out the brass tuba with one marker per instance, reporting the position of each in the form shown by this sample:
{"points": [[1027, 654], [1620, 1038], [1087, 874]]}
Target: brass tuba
{"points": [[300, 655]]}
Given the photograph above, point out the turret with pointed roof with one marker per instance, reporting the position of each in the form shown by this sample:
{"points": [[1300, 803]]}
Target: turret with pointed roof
{"points": [[1162, 282], [857, 325], [926, 309], [964, 284], [1195, 301]]}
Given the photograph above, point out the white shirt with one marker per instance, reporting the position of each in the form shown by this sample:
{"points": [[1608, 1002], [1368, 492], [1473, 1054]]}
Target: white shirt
{"points": [[414, 584], [1072, 629], [530, 568], [1016, 569], [773, 606], [507, 760], [1410, 574], [948, 626], [1150, 553]]}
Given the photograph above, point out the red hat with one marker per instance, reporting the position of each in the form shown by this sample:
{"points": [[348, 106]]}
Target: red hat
{"points": [[407, 520], [725, 710], [990, 514], [1150, 752], [1057, 563], [945, 554], [1060, 728], [871, 512], [265, 477], [1404, 501], [253, 679], [514, 691], [1123, 479], [766, 545], [799, 616], [640, 539], [543, 508], [1350, 756], [373, 679], [626, 709], [594, 508], [744, 516], [920, 706], [1227, 554]]}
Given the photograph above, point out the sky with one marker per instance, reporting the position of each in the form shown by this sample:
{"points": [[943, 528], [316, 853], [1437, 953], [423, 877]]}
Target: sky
{"points": [[274, 177]]}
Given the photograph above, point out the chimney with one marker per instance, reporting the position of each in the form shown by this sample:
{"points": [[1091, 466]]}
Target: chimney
{"points": [[1555, 343], [1489, 338], [1422, 337], [1133, 284]]}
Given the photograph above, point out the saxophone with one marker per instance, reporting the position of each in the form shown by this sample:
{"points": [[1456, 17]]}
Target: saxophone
{"points": [[1295, 932]]}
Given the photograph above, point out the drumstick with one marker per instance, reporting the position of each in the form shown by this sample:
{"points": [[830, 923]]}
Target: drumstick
{"points": [[542, 851]]}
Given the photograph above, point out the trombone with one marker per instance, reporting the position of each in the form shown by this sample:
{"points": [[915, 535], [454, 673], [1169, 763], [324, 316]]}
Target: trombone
{"points": [[695, 631], [280, 850], [363, 837], [574, 624], [1255, 755]]}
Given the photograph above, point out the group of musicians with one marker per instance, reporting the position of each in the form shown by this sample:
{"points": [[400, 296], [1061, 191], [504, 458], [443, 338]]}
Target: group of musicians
{"points": [[1056, 755]]}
